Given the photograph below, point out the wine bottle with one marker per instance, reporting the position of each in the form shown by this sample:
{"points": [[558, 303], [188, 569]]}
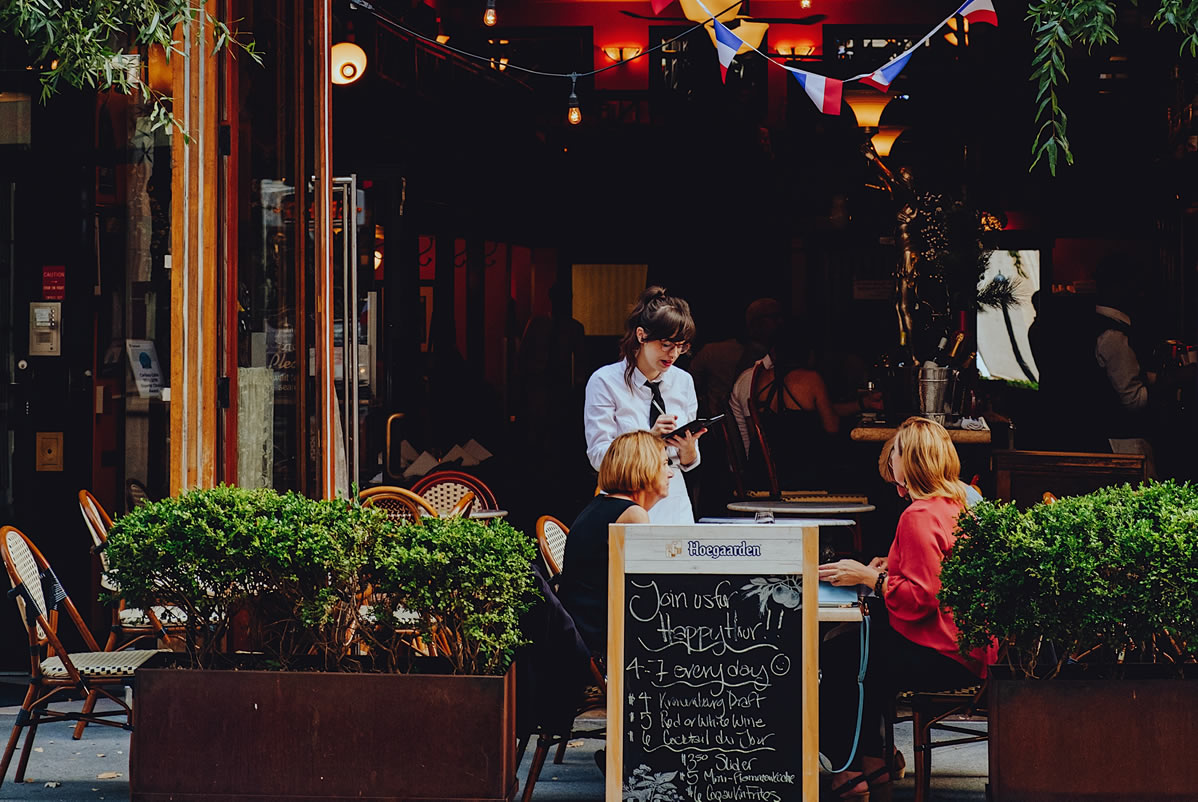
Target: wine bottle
{"points": [[941, 357], [958, 338]]}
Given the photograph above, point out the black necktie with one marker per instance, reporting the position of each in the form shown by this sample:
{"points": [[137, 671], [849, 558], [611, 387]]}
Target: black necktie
{"points": [[657, 406]]}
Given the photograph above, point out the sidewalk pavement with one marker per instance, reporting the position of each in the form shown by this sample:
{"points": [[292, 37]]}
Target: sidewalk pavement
{"points": [[97, 768]]}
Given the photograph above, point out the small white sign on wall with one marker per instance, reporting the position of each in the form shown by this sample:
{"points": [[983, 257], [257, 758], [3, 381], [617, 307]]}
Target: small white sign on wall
{"points": [[147, 373]]}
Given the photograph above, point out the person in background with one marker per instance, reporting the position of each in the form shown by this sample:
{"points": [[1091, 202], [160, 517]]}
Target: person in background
{"points": [[913, 642], [716, 365], [1119, 419], [794, 412], [634, 476], [646, 391], [791, 348]]}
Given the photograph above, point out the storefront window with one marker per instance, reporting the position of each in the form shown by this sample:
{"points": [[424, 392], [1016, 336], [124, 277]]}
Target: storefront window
{"points": [[271, 396]]}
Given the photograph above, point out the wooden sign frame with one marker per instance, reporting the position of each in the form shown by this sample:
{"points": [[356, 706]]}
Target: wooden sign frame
{"points": [[798, 545]]}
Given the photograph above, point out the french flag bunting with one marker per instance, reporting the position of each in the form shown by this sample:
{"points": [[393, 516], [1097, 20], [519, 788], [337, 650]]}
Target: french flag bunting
{"points": [[824, 92], [880, 78], [727, 44], [659, 5], [979, 11]]}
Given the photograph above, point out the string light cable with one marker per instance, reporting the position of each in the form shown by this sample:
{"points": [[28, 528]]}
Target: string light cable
{"points": [[788, 68], [365, 5], [713, 18]]}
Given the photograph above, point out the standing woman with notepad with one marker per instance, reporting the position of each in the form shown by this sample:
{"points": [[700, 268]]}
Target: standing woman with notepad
{"points": [[646, 390]]}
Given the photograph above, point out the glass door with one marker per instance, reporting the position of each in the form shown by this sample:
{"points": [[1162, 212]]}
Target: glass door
{"points": [[348, 361]]}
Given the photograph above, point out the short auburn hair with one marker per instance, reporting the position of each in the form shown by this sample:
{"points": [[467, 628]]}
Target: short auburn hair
{"points": [[632, 463], [931, 467]]}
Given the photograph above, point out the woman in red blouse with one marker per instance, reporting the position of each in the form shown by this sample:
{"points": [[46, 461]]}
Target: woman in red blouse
{"points": [[913, 643]]}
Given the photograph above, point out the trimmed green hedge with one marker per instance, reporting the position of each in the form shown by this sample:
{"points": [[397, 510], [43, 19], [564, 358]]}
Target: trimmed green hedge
{"points": [[1109, 577], [317, 579]]}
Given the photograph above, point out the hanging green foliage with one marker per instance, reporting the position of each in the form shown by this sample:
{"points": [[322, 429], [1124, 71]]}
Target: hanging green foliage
{"points": [[1058, 25], [101, 44]]}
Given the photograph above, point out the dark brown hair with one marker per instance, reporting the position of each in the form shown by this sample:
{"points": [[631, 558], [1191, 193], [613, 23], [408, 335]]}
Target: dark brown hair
{"points": [[662, 316]]}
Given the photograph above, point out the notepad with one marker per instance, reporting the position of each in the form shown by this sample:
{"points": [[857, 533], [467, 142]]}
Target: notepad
{"points": [[836, 596]]}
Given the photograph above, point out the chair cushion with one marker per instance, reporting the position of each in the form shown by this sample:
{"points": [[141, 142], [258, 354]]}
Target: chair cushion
{"points": [[168, 615], [99, 664], [405, 618]]}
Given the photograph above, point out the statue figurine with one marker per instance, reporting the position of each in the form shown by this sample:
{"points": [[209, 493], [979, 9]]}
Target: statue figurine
{"points": [[901, 189]]}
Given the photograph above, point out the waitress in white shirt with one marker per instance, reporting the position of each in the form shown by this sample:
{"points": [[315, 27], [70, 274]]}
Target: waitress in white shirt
{"points": [[645, 391]]}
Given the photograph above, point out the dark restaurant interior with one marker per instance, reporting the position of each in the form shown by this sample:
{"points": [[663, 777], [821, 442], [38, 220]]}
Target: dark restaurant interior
{"points": [[497, 245]]}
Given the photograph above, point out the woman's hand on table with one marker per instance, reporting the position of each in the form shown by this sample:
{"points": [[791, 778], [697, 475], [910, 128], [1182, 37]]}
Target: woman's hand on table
{"points": [[849, 572], [687, 445]]}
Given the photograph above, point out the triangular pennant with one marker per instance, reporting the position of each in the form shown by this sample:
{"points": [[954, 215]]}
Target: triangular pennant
{"points": [[824, 92], [659, 5], [979, 11], [726, 44], [880, 78]]}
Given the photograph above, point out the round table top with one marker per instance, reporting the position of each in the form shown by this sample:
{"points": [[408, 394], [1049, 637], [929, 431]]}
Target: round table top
{"points": [[822, 523], [801, 507], [488, 514]]}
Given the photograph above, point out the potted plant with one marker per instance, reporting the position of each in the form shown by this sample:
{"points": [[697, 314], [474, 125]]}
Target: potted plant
{"points": [[1099, 594], [334, 701]]}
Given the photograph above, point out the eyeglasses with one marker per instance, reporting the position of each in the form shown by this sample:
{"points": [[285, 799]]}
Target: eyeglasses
{"points": [[681, 346]]}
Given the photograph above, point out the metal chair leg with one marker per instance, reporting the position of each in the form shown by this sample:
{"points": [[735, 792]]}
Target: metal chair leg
{"points": [[88, 706], [923, 755], [16, 733], [538, 762], [27, 749]]}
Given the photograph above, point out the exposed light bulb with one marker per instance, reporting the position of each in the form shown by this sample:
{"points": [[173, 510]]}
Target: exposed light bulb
{"points": [[574, 115], [489, 18], [349, 62]]}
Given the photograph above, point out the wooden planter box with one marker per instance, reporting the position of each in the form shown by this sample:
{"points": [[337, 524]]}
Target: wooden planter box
{"points": [[221, 736], [1064, 740]]}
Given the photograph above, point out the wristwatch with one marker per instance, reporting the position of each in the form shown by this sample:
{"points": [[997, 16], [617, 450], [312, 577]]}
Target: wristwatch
{"points": [[879, 582]]}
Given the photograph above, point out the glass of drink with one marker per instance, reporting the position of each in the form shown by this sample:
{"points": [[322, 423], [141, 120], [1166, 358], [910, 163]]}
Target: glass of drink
{"points": [[763, 517]]}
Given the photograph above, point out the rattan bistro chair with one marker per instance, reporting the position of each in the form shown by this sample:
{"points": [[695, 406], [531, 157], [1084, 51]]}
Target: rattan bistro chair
{"points": [[129, 624], [463, 506], [551, 540], [930, 710], [55, 673], [400, 504], [444, 489]]}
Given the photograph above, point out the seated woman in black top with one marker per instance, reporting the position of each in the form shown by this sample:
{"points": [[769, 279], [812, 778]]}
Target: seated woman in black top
{"points": [[796, 416], [634, 475]]}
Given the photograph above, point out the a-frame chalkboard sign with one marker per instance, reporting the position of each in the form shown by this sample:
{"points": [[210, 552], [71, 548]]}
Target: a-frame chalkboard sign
{"points": [[712, 663]]}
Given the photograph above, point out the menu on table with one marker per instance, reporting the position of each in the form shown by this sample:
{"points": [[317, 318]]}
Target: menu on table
{"points": [[711, 676]]}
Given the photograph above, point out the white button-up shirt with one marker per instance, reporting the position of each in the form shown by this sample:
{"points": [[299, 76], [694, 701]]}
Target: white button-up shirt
{"points": [[613, 408], [1115, 355]]}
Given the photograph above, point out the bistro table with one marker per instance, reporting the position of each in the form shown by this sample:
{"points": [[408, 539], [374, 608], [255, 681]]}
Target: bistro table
{"points": [[832, 614], [486, 515], [801, 507], [808, 509]]}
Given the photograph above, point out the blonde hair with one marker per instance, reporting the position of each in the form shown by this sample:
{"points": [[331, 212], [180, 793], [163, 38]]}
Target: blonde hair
{"points": [[931, 467], [632, 463]]}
